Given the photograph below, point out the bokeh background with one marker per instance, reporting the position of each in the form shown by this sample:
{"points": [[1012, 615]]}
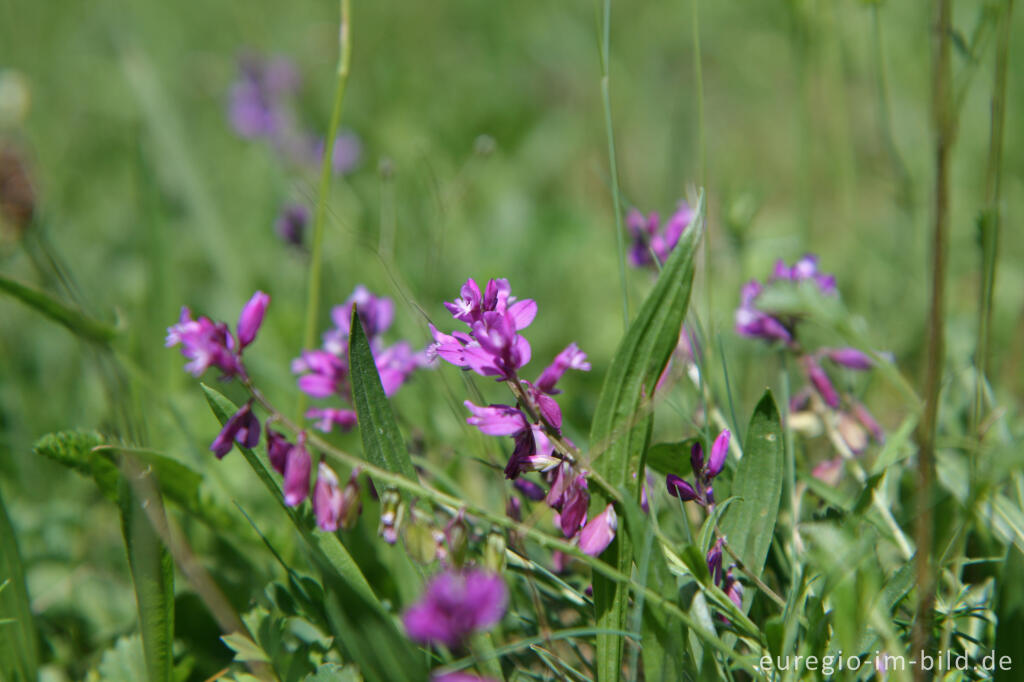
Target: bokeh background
{"points": [[483, 154]]}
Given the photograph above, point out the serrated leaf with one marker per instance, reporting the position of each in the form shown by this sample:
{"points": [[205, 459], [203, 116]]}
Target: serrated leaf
{"points": [[333, 672], [622, 421], [152, 574], [124, 661], [382, 441], [749, 524], [75, 450], [80, 324], [19, 658], [246, 650], [326, 546]]}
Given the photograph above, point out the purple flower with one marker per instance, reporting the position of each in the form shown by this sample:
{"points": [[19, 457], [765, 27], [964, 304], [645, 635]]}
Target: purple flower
{"points": [[296, 473], [205, 343], [757, 324], [677, 487], [649, 236], [454, 605], [291, 223], [396, 364], [570, 358], [327, 499], [719, 451], [496, 420], [277, 449], [704, 471], [256, 103], [529, 489], [243, 427], [714, 559], [868, 422], [820, 381], [345, 154], [323, 373], [574, 508], [850, 358], [599, 533], [251, 318], [329, 417], [376, 313]]}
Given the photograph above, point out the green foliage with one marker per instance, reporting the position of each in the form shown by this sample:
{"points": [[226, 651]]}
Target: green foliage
{"points": [[19, 658]]}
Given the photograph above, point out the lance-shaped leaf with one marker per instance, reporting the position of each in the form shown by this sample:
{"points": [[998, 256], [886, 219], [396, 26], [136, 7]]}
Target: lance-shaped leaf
{"points": [[749, 523], [18, 655], [622, 420], [382, 441], [74, 319]]}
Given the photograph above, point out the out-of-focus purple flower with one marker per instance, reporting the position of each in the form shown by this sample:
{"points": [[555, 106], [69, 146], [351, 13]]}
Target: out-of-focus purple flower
{"points": [[496, 420], [345, 154], [205, 343], [599, 533], [805, 269], [277, 449], [753, 322], [868, 421], [460, 677], [327, 499], [570, 358], [329, 417], [376, 313], [454, 605], [251, 318], [649, 236], [822, 384], [396, 364], [296, 473], [257, 104], [850, 358], [322, 374], [243, 427], [291, 223], [529, 489]]}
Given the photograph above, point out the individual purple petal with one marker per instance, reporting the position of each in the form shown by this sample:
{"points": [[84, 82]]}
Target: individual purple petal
{"points": [[327, 499], [496, 295], [296, 473], [329, 417], [714, 559], [251, 318], [850, 358], [277, 449], [677, 224], [719, 451], [868, 421], [570, 358], [242, 426], [821, 382], [599, 533], [455, 605], [574, 510], [525, 449], [496, 420], [395, 365], [697, 458], [522, 313], [677, 487], [560, 485], [549, 409]]}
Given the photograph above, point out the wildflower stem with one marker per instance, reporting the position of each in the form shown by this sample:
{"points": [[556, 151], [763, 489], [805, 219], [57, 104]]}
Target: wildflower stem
{"points": [[944, 128], [316, 252], [606, 101], [750, 574]]}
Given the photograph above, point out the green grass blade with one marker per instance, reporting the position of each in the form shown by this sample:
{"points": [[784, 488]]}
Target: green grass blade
{"points": [[622, 421], [80, 324], [19, 658], [152, 575], [749, 523], [326, 546], [382, 441]]}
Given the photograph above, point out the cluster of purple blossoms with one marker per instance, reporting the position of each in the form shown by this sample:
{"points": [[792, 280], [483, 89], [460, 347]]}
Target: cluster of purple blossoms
{"points": [[456, 604], [323, 372], [725, 580], [653, 240], [704, 472], [754, 321], [206, 344], [493, 347]]}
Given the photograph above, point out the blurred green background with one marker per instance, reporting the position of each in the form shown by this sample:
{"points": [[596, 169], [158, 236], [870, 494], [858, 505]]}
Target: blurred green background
{"points": [[484, 154]]}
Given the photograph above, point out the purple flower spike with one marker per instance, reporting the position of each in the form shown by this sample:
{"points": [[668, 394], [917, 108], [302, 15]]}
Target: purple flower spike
{"points": [[850, 358], [496, 420], [327, 499], [677, 487], [570, 358], [278, 448], [243, 427], [329, 417], [454, 606], [821, 382], [599, 533], [291, 223], [719, 451], [296, 473], [251, 318]]}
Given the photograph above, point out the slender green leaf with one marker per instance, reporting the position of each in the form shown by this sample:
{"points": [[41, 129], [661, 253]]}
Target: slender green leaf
{"points": [[622, 421], [326, 546], [749, 523], [19, 658], [1010, 609], [382, 441], [152, 575], [75, 320]]}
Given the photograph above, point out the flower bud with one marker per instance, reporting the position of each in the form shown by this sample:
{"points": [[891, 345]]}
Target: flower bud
{"points": [[457, 535], [494, 552]]}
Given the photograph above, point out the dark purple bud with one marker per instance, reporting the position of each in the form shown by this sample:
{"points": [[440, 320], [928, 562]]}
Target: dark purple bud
{"points": [[821, 382], [277, 449], [697, 458], [296, 473], [529, 489], [677, 487], [719, 451], [291, 223], [864, 417], [251, 318], [714, 560], [599, 533], [850, 357], [526, 448], [243, 427]]}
